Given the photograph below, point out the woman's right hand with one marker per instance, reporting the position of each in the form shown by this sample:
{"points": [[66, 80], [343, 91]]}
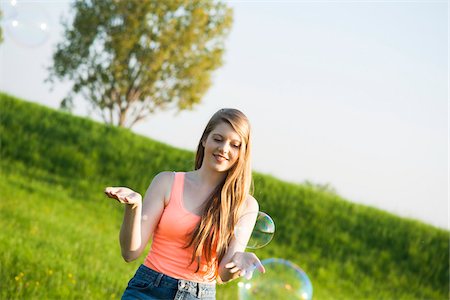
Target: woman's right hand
{"points": [[123, 195]]}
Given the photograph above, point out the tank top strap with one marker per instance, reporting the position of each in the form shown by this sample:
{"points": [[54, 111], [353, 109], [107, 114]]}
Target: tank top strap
{"points": [[176, 193]]}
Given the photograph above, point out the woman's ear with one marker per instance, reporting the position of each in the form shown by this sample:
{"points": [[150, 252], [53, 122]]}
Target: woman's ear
{"points": [[203, 143]]}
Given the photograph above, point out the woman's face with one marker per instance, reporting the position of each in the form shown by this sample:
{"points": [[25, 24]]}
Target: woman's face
{"points": [[221, 147]]}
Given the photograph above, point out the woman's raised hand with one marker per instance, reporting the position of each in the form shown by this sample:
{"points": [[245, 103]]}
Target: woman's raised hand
{"points": [[245, 263], [123, 195]]}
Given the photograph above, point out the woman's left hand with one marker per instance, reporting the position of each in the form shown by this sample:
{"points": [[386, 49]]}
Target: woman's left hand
{"points": [[244, 263]]}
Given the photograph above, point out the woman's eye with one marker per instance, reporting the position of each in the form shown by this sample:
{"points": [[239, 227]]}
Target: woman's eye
{"points": [[217, 140], [236, 146]]}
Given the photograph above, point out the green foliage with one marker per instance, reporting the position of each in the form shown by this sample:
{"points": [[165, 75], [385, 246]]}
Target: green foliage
{"points": [[54, 167], [132, 58]]}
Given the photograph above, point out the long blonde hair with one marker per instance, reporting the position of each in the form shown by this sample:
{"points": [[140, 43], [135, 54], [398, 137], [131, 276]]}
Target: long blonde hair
{"points": [[216, 228]]}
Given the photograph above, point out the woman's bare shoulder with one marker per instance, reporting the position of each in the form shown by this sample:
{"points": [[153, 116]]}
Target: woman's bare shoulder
{"points": [[163, 183], [164, 176], [162, 180], [251, 204]]}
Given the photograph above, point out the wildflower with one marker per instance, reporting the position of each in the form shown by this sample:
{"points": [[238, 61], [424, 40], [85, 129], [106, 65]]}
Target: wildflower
{"points": [[19, 277]]}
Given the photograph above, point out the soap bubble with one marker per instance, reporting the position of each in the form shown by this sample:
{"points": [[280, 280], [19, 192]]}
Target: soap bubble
{"points": [[28, 26], [261, 234], [282, 280]]}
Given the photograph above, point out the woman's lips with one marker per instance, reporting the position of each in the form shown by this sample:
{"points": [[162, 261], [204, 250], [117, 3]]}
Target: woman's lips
{"points": [[220, 158]]}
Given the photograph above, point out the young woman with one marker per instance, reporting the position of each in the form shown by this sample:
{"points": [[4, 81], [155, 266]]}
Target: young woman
{"points": [[191, 217]]}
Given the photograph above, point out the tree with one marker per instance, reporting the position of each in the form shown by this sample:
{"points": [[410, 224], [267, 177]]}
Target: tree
{"points": [[131, 58]]}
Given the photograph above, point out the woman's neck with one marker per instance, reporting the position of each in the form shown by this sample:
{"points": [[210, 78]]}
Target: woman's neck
{"points": [[209, 178]]}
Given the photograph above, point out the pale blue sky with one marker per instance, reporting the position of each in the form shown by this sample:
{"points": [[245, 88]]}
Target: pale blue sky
{"points": [[353, 93]]}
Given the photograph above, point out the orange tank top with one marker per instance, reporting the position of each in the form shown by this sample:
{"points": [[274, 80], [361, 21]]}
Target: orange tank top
{"points": [[167, 253]]}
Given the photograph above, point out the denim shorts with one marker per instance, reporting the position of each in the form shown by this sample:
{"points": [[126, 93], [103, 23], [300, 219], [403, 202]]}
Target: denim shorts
{"points": [[150, 284]]}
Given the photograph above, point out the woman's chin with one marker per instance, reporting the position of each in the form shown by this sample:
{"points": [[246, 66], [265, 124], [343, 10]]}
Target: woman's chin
{"points": [[221, 168]]}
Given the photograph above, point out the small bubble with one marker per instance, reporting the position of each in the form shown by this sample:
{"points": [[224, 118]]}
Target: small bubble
{"points": [[261, 234], [27, 24]]}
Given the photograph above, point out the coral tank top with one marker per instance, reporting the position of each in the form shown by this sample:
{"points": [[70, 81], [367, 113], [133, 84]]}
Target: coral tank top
{"points": [[167, 254]]}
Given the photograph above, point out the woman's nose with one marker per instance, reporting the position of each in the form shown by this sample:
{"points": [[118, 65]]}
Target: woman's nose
{"points": [[224, 148]]}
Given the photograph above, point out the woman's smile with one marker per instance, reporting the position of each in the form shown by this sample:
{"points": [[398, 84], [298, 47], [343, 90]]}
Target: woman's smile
{"points": [[220, 158]]}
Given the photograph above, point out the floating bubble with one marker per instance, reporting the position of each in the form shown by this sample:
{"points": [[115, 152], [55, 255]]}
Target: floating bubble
{"points": [[282, 280], [29, 26], [261, 234]]}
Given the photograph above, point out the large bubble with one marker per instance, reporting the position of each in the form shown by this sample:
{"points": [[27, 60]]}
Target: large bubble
{"points": [[282, 280], [261, 234]]}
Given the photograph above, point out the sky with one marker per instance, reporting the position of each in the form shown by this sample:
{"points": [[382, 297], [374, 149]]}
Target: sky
{"points": [[349, 93]]}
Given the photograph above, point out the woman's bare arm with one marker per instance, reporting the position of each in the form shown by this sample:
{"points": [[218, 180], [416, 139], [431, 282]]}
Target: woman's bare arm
{"points": [[140, 217], [236, 261]]}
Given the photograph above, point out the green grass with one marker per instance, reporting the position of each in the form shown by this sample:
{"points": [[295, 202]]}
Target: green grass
{"points": [[60, 233], [55, 245]]}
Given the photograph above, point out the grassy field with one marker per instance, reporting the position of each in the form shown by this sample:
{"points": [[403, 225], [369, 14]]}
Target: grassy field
{"points": [[59, 233], [57, 247]]}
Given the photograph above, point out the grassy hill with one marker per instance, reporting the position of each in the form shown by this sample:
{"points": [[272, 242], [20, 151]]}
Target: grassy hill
{"points": [[59, 234]]}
